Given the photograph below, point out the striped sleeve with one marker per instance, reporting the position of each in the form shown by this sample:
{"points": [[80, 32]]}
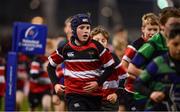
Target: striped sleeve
{"points": [[143, 55], [104, 55], [106, 58], [56, 57], [129, 53]]}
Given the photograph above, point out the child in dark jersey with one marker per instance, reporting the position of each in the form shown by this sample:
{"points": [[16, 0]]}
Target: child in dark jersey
{"points": [[83, 59]]}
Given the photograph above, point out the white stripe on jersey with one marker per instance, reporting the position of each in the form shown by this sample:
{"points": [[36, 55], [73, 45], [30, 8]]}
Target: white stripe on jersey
{"points": [[34, 63], [82, 60], [2, 67], [110, 84], [130, 46], [2, 79], [124, 76], [83, 74], [126, 58], [34, 71], [118, 65], [52, 62], [109, 63], [59, 54], [102, 52], [41, 80]]}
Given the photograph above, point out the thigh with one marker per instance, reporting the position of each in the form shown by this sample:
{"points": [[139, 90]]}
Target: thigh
{"points": [[108, 106], [19, 96], [94, 102]]}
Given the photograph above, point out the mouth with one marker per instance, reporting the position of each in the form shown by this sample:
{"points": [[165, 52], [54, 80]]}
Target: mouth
{"points": [[85, 36]]}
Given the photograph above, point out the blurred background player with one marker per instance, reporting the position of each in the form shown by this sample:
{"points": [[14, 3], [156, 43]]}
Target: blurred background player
{"points": [[67, 31], [120, 41], [110, 86], [2, 82], [40, 84], [22, 79]]}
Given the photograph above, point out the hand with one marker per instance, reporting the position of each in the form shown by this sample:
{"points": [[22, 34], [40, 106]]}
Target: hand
{"points": [[91, 86], [112, 97], [157, 96], [59, 89]]}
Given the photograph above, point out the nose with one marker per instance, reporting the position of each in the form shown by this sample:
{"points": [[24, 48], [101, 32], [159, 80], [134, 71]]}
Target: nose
{"points": [[152, 32]]}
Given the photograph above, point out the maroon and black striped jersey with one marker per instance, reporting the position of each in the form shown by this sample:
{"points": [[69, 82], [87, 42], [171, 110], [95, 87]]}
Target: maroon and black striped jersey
{"points": [[39, 80], [82, 64]]}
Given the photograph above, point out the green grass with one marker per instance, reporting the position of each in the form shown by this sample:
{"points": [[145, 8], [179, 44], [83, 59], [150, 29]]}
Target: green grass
{"points": [[23, 107]]}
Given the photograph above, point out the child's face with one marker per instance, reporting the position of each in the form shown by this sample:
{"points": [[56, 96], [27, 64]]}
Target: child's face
{"points": [[150, 30], [174, 47], [100, 38], [83, 32], [169, 22]]}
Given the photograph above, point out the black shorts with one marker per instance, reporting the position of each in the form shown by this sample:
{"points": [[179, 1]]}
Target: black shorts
{"points": [[36, 98], [77, 102], [108, 106]]}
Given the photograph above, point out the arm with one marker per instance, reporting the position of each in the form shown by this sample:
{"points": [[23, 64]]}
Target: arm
{"points": [[54, 59], [108, 71], [52, 74], [141, 58], [128, 55], [133, 70], [143, 82]]}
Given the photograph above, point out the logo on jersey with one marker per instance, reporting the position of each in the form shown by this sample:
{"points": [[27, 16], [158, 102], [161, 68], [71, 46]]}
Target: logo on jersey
{"points": [[85, 20], [70, 54]]}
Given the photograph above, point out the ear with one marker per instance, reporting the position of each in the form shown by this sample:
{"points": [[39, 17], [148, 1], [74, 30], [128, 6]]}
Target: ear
{"points": [[162, 27]]}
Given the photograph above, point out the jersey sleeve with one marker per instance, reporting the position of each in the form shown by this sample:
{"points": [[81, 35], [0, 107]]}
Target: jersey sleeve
{"points": [[129, 53], [104, 55], [56, 57], [145, 79], [143, 55]]}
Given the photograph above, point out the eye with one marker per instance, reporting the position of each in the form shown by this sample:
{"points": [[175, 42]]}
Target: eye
{"points": [[88, 27], [103, 40], [155, 29], [81, 27], [175, 44]]}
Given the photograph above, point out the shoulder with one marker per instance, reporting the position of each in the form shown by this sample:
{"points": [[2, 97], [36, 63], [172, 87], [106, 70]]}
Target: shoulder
{"points": [[62, 45], [156, 39], [115, 57], [138, 43], [98, 45]]}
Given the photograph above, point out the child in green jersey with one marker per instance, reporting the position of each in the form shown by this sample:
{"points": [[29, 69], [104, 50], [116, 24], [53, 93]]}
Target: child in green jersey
{"points": [[155, 46], [160, 81]]}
